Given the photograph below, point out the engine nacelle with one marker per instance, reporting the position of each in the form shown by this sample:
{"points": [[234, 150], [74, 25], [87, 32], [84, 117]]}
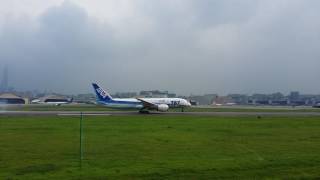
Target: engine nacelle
{"points": [[163, 107]]}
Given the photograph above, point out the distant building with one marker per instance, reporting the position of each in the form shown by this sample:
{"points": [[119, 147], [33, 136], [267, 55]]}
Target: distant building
{"points": [[239, 98], [157, 94], [125, 95], [279, 102], [262, 102], [85, 98], [9, 98], [4, 82], [203, 100], [294, 96], [223, 100], [193, 103], [172, 95], [298, 103], [277, 96]]}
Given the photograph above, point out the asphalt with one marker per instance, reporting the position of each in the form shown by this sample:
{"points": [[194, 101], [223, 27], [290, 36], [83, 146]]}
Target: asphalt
{"points": [[130, 113]]}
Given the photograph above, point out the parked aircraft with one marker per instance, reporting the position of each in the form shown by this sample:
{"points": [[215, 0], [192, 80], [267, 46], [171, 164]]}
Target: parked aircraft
{"points": [[52, 101]]}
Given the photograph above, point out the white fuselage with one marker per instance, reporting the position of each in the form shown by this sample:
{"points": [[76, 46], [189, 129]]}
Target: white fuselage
{"points": [[38, 101], [132, 103]]}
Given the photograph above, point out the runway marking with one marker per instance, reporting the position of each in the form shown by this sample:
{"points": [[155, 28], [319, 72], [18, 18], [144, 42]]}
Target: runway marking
{"points": [[84, 114]]}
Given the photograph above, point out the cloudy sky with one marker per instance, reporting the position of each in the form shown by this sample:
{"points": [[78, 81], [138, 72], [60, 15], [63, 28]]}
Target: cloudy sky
{"points": [[184, 46]]}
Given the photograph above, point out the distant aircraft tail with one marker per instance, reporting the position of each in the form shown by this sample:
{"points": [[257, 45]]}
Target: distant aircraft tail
{"points": [[101, 94]]}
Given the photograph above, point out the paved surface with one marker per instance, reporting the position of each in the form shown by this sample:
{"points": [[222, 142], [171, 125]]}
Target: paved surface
{"points": [[126, 113]]}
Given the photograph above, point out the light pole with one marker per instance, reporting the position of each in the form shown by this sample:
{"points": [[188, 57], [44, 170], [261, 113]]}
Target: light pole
{"points": [[81, 133]]}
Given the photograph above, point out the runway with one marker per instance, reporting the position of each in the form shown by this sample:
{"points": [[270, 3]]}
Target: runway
{"points": [[133, 113]]}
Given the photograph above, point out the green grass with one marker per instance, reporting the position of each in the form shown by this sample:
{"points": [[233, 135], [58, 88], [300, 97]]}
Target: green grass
{"points": [[248, 109], [65, 107], [76, 107], [160, 147]]}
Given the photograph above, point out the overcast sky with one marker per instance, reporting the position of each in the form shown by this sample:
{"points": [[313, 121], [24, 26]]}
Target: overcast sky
{"points": [[184, 46]]}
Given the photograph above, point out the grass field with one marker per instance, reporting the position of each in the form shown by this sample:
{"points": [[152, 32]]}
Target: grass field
{"points": [[160, 147], [81, 107]]}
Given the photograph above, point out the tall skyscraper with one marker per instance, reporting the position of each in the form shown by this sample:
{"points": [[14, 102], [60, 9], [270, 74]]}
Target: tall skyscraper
{"points": [[5, 79]]}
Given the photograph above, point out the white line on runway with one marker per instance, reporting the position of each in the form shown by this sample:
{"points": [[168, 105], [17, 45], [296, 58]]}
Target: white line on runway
{"points": [[78, 114]]}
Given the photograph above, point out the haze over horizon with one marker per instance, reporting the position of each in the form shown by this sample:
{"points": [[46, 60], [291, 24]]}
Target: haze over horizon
{"points": [[183, 46]]}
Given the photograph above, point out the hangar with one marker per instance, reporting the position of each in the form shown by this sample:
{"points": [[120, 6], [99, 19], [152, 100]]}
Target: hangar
{"points": [[8, 98]]}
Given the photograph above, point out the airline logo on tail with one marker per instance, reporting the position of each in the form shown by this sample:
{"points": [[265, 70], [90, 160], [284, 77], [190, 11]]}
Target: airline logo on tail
{"points": [[102, 93]]}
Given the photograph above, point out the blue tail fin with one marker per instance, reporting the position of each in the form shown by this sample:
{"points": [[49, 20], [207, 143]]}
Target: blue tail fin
{"points": [[101, 94]]}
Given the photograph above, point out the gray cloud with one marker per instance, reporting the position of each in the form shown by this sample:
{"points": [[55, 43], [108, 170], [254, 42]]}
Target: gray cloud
{"points": [[184, 46]]}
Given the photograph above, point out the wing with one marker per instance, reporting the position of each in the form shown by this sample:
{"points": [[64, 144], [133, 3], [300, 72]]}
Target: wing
{"points": [[147, 104]]}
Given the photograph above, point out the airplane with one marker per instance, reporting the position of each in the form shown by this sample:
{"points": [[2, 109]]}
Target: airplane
{"points": [[141, 104], [57, 102]]}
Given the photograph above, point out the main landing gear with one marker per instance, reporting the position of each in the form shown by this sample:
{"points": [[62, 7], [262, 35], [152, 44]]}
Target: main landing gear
{"points": [[144, 111]]}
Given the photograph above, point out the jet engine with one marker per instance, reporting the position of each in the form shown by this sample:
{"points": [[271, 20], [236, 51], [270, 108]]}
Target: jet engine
{"points": [[163, 107]]}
